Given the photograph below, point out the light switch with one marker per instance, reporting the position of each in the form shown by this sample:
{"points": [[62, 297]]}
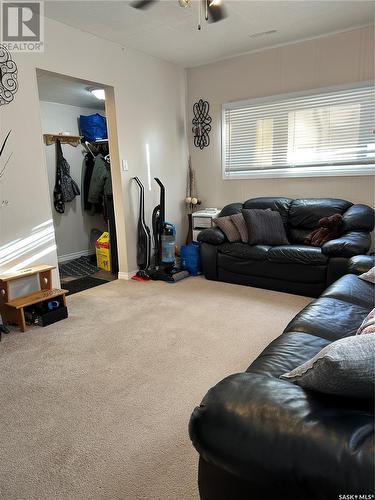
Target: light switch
{"points": [[124, 165]]}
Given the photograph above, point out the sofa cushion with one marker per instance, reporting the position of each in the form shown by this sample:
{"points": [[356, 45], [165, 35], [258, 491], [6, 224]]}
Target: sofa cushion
{"points": [[286, 352], [328, 318], [297, 254], [280, 205], [297, 235], [305, 213], [350, 288], [245, 251], [342, 368]]}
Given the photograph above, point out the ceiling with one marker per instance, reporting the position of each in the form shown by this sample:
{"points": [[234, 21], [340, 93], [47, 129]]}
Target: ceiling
{"points": [[62, 89], [170, 32]]}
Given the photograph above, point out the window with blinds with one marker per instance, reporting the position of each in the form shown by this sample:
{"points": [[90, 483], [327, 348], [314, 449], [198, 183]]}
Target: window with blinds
{"points": [[325, 133]]}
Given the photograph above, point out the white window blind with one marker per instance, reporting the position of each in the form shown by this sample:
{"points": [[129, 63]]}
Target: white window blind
{"points": [[331, 132]]}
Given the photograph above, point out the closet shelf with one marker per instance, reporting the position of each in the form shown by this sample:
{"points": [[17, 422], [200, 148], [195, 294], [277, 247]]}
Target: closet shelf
{"points": [[73, 140]]}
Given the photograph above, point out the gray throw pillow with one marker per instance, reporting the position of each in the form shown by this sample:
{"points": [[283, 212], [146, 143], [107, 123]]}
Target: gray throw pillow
{"points": [[369, 276], [265, 227], [240, 223], [229, 229], [368, 324], [343, 368]]}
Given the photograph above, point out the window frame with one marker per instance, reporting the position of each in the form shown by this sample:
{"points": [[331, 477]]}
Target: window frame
{"points": [[303, 171]]}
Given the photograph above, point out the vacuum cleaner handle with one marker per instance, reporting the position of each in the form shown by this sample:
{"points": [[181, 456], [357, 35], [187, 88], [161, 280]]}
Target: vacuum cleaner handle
{"points": [[144, 237], [142, 198], [162, 200], [160, 183], [139, 183]]}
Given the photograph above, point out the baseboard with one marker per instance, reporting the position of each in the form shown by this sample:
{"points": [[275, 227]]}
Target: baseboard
{"points": [[74, 255], [126, 276]]}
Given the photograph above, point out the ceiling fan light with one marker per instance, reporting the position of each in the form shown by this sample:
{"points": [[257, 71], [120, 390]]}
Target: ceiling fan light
{"points": [[98, 93]]}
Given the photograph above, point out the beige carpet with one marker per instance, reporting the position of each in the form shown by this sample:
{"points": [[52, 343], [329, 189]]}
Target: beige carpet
{"points": [[97, 406]]}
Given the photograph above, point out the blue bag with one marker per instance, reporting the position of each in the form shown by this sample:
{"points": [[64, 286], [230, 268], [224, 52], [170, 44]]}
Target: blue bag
{"points": [[93, 127], [191, 258]]}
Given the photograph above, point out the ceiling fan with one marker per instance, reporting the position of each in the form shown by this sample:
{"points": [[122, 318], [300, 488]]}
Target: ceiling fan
{"points": [[213, 10]]}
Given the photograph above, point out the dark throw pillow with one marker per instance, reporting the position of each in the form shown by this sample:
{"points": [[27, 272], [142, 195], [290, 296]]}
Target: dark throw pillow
{"points": [[229, 229], [345, 367], [265, 227], [240, 223]]}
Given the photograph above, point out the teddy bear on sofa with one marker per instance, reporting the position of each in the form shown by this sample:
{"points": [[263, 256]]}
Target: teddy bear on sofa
{"points": [[329, 229]]}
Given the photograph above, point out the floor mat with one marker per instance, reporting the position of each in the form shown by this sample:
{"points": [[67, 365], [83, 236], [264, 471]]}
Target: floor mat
{"points": [[78, 267], [81, 284]]}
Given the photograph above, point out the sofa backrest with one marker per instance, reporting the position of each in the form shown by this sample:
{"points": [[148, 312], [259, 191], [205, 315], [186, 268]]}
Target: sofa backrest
{"points": [[301, 216], [281, 205], [304, 215]]}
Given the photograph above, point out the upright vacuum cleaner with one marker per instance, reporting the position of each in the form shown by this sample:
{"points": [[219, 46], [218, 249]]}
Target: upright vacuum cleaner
{"points": [[164, 238], [143, 238], [164, 241]]}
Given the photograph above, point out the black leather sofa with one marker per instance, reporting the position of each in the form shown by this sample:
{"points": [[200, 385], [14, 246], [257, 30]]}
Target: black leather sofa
{"points": [[262, 438], [295, 268]]}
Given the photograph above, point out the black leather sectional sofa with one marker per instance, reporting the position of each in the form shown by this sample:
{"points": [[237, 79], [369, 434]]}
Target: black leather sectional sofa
{"points": [[262, 438], [295, 268]]}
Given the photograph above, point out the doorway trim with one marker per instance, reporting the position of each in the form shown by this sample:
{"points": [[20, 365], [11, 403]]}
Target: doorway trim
{"points": [[118, 199]]}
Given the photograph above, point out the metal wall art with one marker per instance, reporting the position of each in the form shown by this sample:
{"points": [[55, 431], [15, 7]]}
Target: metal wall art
{"points": [[8, 77], [2, 146], [201, 124]]}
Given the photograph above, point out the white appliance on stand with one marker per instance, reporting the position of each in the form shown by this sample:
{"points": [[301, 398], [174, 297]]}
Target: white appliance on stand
{"points": [[203, 219]]}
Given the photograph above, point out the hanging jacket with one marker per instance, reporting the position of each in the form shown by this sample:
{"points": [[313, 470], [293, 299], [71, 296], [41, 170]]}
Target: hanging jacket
{"points": [[66, 189], [88, 170], [101, 182]]}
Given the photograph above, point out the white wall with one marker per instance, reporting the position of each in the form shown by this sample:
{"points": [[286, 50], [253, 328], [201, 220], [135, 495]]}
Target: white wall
{"points": [[73, 227], [322, 62], [150, 106]]}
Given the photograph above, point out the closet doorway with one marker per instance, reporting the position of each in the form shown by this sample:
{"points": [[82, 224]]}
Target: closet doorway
{"points": [[77, 150]]}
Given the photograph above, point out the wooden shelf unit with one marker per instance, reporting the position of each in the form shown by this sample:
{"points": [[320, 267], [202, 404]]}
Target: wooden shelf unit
{"points": [[12, 310], [73, 140]]}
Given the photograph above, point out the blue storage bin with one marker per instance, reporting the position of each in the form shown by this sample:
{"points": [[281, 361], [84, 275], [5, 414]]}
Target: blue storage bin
{"points": [[191, 258], [93, 127]]}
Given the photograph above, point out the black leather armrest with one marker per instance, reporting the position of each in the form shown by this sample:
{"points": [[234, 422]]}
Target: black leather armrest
{"points": [[250, 423], [353, 243], [209, 260], [361, 264], [214, 236]]}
